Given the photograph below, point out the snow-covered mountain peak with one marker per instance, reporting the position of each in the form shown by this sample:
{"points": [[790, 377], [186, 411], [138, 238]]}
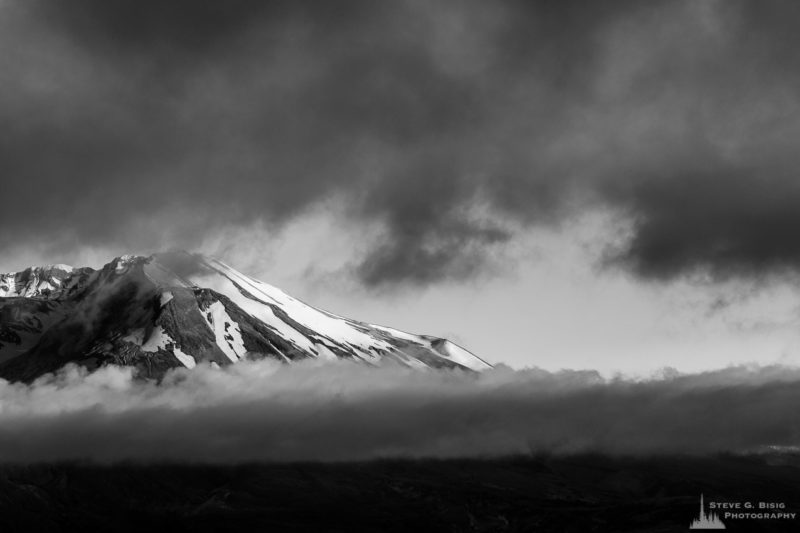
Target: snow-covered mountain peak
{"points": [[35, 281], [122, 263], [181, 309], [59, 266]]}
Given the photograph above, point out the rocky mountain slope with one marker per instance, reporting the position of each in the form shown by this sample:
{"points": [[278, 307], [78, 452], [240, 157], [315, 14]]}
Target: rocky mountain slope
{"points": [[180, 309]]}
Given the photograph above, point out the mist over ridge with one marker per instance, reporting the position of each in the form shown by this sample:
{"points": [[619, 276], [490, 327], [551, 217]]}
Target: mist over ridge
{"points": [[341, 411]]}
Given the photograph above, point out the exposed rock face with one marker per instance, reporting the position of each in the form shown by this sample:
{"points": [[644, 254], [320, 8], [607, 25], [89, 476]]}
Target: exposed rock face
{"points": [[179, 309], [47, 281]]}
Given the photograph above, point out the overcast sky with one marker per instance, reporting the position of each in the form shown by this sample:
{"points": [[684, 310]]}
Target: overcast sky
{"points": [[604, 185]]}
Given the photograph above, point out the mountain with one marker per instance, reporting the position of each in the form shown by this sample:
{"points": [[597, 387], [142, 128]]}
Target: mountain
{"points": [[180, 309]]}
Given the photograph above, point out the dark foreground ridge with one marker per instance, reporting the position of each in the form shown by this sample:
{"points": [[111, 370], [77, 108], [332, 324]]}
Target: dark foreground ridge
{"points": [[581, 494]]}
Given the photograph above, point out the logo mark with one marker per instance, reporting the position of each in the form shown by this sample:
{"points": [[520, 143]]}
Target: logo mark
{"points": [[706, 520]]}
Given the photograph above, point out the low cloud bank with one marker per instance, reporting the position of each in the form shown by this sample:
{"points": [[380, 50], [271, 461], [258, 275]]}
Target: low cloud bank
{"points": [[263, 411]]}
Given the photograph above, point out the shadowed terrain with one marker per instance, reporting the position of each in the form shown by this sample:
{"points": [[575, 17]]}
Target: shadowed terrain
{"points": [[580, 493]]}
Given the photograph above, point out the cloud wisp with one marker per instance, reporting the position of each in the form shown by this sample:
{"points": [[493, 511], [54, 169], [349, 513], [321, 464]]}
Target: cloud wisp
{"points": [[263, 411]]}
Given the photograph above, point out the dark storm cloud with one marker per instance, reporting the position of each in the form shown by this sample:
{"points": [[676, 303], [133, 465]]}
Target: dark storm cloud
{"points": [[266, 411], [148, 124]]}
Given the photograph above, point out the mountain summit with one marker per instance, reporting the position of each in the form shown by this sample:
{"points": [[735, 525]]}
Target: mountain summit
{"points": [[180, 309]]}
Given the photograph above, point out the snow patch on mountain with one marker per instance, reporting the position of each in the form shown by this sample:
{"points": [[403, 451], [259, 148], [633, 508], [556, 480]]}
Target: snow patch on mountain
{"points": [[187, 360], [226, 330], [459, 355], [166, 297], [159, 340], [123, 263], [326, 326], [224, 285]]}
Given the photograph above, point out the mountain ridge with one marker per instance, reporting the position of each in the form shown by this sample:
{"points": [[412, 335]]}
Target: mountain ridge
{"points": [[178, 309]]}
